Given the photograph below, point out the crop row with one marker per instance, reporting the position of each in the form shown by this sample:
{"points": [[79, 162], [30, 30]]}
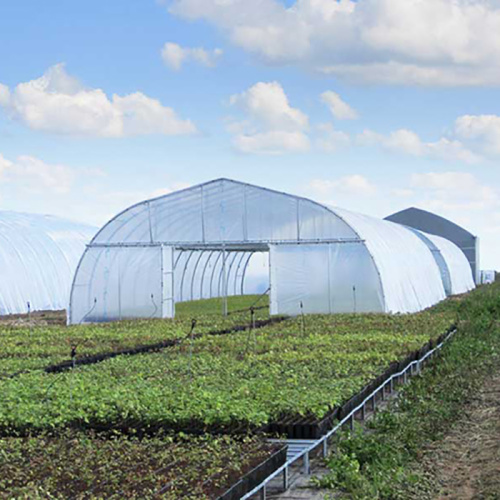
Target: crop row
{"points": [[297, 367], [24, 348], [76, 465]]}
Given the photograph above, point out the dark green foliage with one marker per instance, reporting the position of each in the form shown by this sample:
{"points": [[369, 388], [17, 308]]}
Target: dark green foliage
{"points": [[381, 462]]}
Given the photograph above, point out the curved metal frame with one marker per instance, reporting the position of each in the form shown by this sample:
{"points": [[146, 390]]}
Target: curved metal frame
{"points": [[237, 269], [184, 275], [213, 272], [202, 253], [245, 272], [204, 270]]}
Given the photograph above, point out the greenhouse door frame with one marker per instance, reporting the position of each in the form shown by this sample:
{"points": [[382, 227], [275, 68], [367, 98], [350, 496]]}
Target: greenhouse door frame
{"points": [[233, 268]]}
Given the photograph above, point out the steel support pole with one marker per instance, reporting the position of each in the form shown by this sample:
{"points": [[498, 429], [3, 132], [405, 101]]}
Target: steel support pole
{"points": [[263, 493], [307, 466], [285, 479]]}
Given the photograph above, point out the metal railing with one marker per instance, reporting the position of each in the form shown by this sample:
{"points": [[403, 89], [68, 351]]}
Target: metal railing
{"points": [[307, 447]]}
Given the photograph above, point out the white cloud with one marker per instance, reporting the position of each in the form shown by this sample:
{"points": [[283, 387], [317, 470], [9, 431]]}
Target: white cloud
{"points": [[339, 108], [34, 175], [4, 95], [408, 142], [417, 42], [402, 192], [174, 56], [58, 103], [350, 185], [268, 104], [456, 190], [271, 125], [483, 128], [273, 142], [332, 139]]}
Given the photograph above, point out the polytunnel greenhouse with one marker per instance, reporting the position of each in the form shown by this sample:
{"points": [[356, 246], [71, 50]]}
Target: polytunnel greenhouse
{"points": [[38, 258], [197, 243]]}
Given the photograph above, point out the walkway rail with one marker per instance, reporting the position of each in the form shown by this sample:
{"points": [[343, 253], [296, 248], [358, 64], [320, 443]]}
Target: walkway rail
{"points": [[301, 449]]}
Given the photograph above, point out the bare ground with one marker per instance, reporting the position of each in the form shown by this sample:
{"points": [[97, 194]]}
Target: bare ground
{"points": [[466, 463], [37, 318]]}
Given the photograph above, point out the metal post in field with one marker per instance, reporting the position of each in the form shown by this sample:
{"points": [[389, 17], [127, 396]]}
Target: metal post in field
{"points": [[263, 492], [29, 319], [285, 478], [307, 468], [303, 318], [193, 324], [224, 284]]}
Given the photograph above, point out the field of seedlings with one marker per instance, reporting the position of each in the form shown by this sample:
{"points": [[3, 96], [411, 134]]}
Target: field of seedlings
{"points": [[34, 346], [140, 425]]}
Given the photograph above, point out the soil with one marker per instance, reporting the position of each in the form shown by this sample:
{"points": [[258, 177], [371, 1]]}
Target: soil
{"points": [[37, 318], [466, 463]]}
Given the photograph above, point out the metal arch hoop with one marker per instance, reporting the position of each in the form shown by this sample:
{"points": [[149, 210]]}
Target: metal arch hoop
{"points": [[213, 272], [224, 292], [245, 272], [203, 274], [184, 273], [202, 253], [228, 278], [236, 273]]}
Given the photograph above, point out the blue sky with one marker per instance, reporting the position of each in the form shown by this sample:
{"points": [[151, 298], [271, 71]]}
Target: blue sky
{"points": [[373, 105]]}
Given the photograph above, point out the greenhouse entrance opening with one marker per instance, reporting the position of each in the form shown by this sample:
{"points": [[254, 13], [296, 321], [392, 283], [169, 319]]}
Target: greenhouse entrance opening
{"points": [[215, 271]]}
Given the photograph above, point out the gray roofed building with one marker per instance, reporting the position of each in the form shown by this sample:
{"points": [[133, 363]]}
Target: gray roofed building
{"points": [[439, 226]]}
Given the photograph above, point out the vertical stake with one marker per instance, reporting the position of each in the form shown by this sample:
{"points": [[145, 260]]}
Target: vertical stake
{"points": [[354, 298], [73, 365], [193, 324], [29, 319], [252, 327], [303, 318]]}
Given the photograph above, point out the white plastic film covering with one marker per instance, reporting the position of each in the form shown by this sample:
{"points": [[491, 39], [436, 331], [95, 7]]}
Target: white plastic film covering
{"points": [[390, 268], [38, 257], [224, 211], [118, 283], [411, 280], [462, 280], [324, 278], [438, 257]]}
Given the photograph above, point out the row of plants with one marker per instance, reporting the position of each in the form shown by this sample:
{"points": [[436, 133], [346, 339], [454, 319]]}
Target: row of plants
{"points": [[28, 348], [303, 366], [77, 466], [383, 460]]}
